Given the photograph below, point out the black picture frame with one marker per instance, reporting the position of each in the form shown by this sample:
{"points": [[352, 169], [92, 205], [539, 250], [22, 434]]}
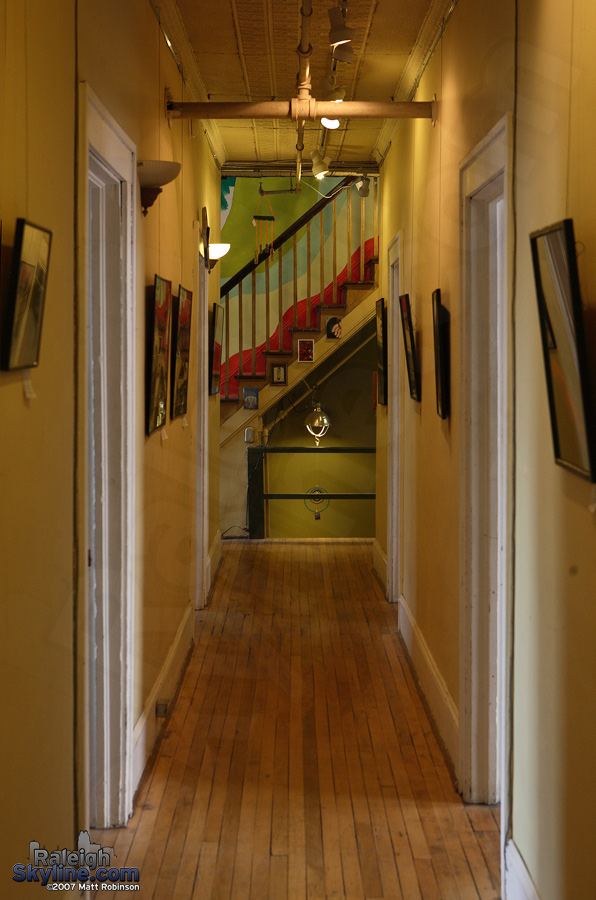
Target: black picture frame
{"points": [[278, 374], [22, 317], [181, 322], [381, 325], [412, 361], [441, 336], [564, 347], [159, 306], [215, 348], [250, 398]]}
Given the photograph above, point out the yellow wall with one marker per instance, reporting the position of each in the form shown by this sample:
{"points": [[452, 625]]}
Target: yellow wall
{"points": [[123, 58], [555, 620], [420, 199], [37, 103]]}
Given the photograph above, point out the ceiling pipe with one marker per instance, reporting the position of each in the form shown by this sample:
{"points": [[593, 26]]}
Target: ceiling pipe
{"points": [[307, 109], [303, 82]]}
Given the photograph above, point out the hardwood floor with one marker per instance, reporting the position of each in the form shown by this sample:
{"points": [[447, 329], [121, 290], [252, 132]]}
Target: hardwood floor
{"points": [[299, 761]]}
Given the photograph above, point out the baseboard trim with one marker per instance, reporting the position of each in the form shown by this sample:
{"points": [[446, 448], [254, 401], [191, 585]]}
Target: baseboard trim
{"points": [[380, 563], [437, 696], [518, 881], [147, 728]]}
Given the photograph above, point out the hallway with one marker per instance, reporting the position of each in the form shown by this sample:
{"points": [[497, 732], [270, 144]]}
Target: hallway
{"points": [[299, 761]]}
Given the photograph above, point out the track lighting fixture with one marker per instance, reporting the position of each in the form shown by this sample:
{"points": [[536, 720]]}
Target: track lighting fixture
{"points": [[363, 186], [339, 33], [320, 165]]}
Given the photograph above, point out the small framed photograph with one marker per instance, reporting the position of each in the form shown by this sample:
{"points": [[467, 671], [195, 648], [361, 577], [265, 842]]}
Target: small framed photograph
{"points": [[215, 348], [412, 361], [442, 367], [381, 321], [181, 311], [158, 344], [23, 313], [250, 398], [306, 350], [333, 327], [279, 373]]}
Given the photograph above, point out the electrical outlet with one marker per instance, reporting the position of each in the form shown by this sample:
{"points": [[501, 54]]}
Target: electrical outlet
{"points": [[161, 708]]}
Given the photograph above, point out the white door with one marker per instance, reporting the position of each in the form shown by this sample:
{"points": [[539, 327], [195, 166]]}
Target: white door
{"points": [[110, 443]]}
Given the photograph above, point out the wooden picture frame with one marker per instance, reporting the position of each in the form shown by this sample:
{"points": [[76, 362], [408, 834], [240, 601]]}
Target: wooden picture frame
{"points": [[181, 321], [216, 348], [159, 307], [381, 322], [23, 311], [441, 319], [278, 374], [412, 362]]}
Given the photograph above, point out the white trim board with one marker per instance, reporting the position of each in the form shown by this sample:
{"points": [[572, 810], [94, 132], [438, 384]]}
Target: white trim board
{"points": [[147, 728], [518, 884], [380, 563], [432, 683]]}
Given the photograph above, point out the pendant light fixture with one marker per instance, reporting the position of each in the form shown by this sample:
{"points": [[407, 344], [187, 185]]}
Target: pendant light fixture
{"points": [[317, 422]]}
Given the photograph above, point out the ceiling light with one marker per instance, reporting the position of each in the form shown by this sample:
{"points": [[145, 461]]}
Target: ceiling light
{"points": [[330, 123], [363, 186], [317, 422], [320, 165], [339, 33]]}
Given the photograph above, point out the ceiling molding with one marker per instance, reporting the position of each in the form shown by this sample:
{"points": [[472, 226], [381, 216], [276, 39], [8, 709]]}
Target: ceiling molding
{"points": [[428, 38], [168, 16]]}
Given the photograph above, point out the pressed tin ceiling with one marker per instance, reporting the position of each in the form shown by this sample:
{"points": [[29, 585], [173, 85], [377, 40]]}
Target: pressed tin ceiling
{"points": [[245, 50]]}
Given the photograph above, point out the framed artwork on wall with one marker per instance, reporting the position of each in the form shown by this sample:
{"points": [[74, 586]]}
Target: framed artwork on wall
{"points": [[381, 352], [565, 348], [250, 397], [158, 340], [23, 310], [333, 327], [412, 363], [442, 361], [279, 374], [215, 348], [306, 350], [181, 316]]}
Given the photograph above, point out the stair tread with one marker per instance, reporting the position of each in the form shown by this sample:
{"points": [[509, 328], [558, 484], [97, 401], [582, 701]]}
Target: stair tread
{"points": [[305, 330], [229, 399], [331, 306], [277, 352], [260, 376], [356, 284]]}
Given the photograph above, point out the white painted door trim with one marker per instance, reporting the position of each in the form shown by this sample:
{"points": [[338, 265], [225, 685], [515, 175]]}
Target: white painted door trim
{"points": [[202, 575], [488, 161], [394, 436], [109, 637]]}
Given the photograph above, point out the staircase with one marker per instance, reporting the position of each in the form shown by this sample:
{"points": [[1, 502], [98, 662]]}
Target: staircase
{"points": [[324, 265]]}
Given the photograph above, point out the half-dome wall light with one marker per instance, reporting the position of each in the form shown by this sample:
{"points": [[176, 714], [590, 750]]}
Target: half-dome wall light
{"points": [[153, 175]]}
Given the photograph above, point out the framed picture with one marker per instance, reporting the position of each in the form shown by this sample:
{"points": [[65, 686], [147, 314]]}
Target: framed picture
{"points": [[306, 350], [250, 398], [442, 364], [333, 327], [181, 314], [565, 348], [158, 343], [215, 348], [381, 352], [412, 363], [279, 373], [23, 312]]}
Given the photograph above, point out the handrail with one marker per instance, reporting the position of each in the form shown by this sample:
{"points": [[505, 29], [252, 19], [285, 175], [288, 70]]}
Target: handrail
{"points": [[307, 216]]}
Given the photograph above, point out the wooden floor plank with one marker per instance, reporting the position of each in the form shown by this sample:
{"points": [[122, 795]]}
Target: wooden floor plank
{"points": [[298, 762]]}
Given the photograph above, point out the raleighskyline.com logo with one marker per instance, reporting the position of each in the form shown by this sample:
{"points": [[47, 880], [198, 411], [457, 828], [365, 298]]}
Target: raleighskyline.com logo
{"points": [[89, 868]]}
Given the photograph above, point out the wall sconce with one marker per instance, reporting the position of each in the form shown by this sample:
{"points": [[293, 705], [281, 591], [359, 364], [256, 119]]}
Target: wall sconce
{"points": [[153, 175], [211, 252]]}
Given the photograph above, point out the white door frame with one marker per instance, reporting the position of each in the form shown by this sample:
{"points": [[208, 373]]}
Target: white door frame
{"points": [[485, 175], [202, 566], [108, 403], [394, 442]]}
